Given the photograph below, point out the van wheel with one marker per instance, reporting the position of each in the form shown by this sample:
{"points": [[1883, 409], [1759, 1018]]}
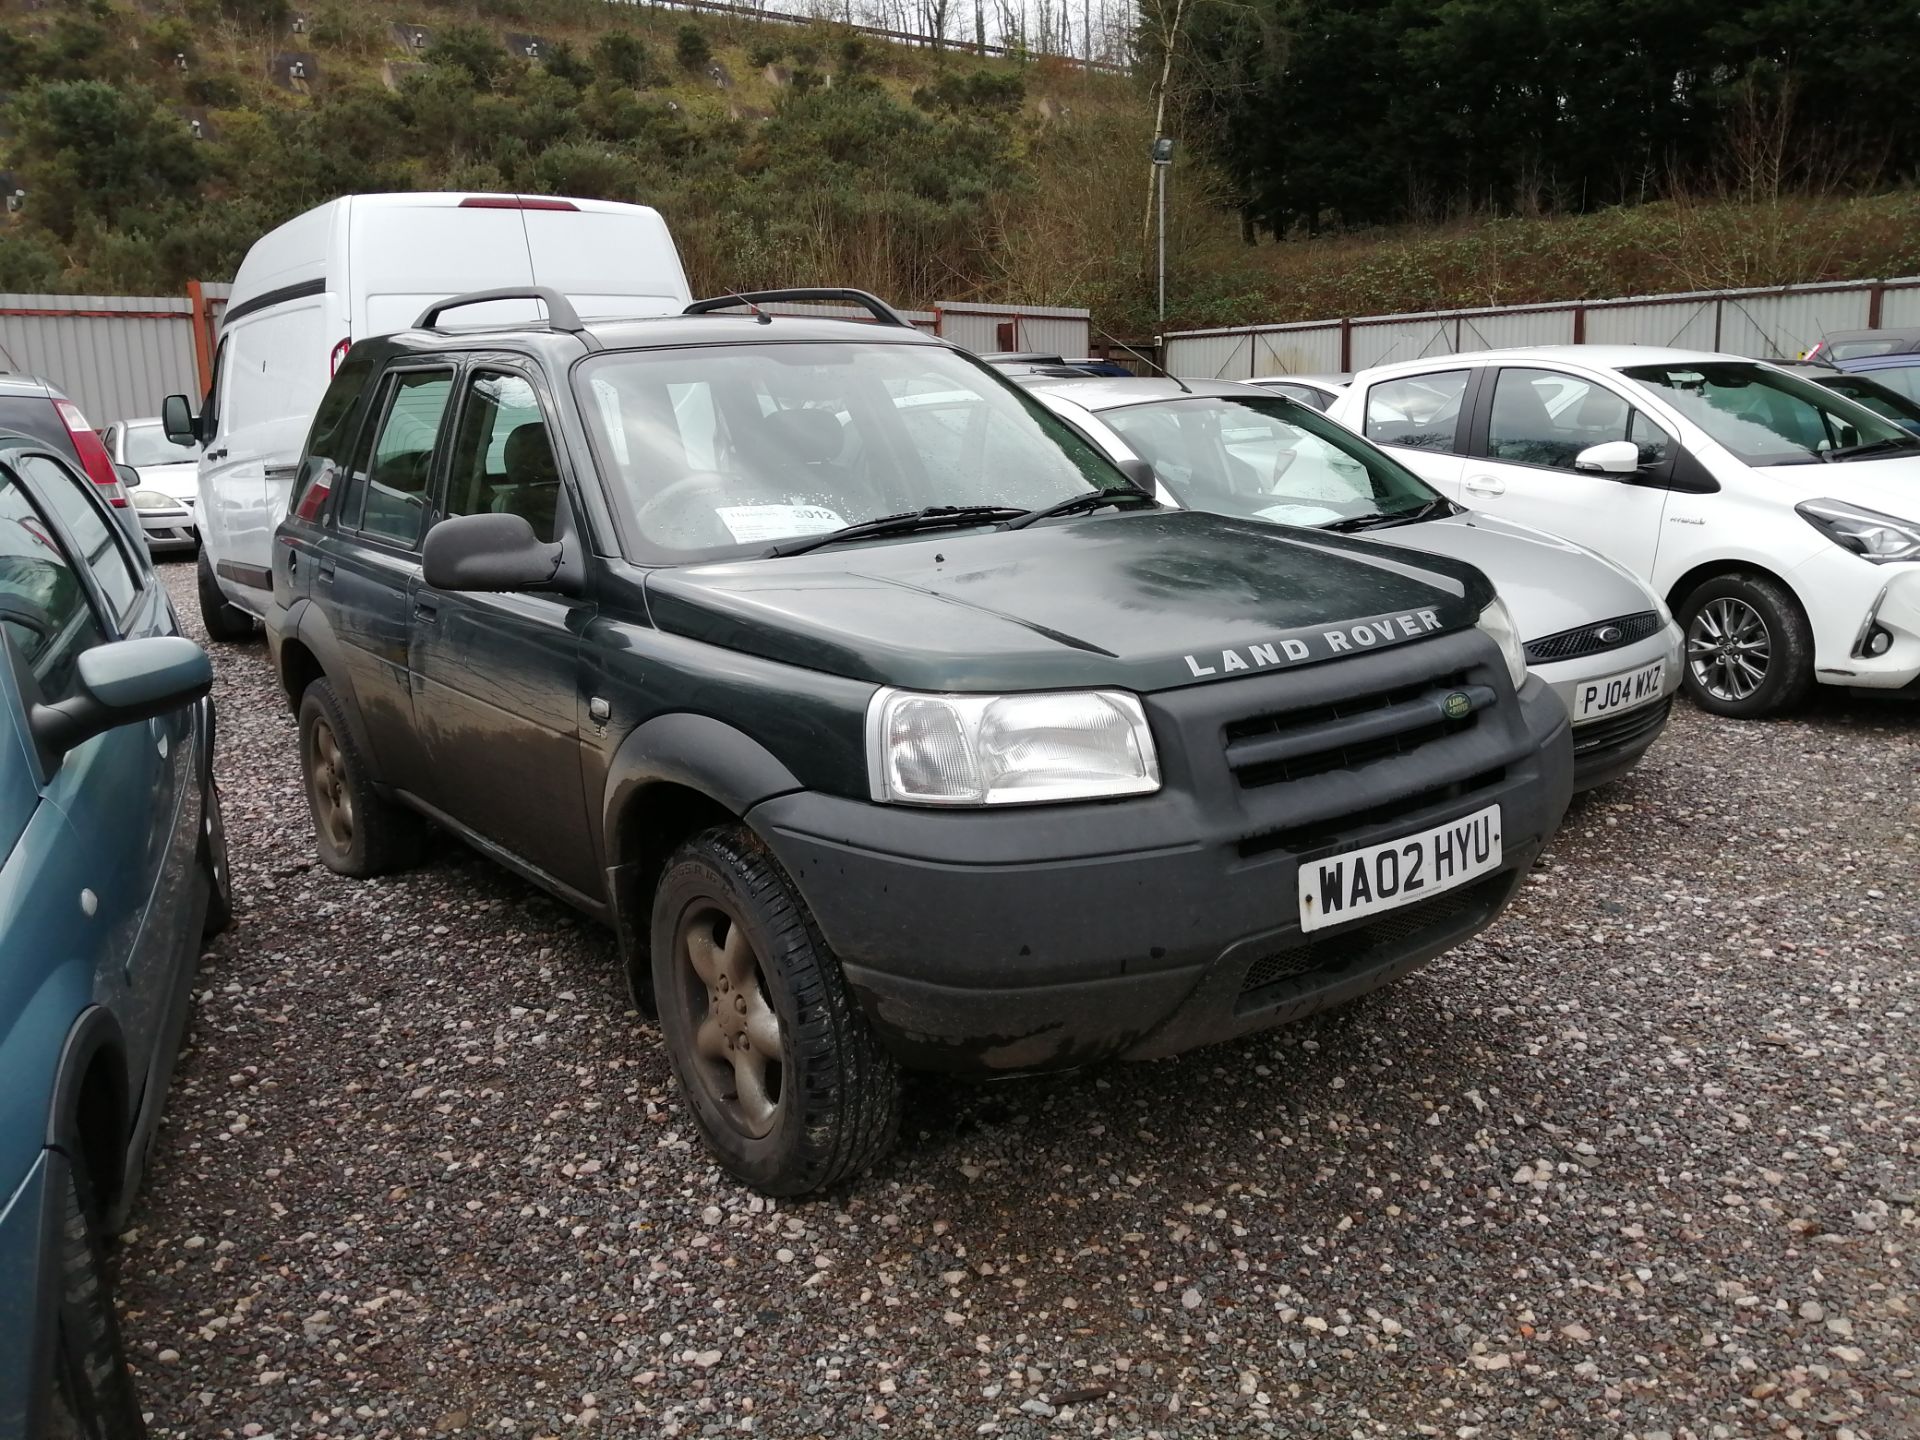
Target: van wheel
{"points": [[96, 1399], [358, 831], [1749, 647], [224, 620], [789, 1087]]}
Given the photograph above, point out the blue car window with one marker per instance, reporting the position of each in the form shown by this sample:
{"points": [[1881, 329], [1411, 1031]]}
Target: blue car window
{"points": [[91, 525], [43, 603]]}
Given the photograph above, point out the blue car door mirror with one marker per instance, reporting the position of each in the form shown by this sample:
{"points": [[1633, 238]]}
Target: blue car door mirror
{"points": [[119, 684]]}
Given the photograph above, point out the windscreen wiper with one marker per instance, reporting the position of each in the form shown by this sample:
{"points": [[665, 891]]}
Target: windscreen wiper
{"points": [[1439, 505], [1350, 523], [1086, 500], [933, 517], [1872, 447]]}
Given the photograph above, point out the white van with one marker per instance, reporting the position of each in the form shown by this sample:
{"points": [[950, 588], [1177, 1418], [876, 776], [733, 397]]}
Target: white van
{"points": [[367, 265]]}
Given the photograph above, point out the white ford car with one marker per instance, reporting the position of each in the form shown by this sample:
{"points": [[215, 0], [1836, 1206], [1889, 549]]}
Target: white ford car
{"points": [[1780, 520]]}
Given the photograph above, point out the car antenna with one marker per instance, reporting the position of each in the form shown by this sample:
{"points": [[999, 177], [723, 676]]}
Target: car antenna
{"points": [[1164, 372]]}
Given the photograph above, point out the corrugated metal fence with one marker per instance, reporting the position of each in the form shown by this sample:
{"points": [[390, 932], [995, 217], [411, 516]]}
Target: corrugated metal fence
{"points": [[118, 356], [1773, 324]]}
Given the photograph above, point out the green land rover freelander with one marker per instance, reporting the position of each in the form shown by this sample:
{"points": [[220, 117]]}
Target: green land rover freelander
{"points": [[886, 722]]}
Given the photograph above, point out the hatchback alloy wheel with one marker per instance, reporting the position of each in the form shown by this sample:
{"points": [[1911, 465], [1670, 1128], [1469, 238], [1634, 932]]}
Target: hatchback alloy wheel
{"points": [[327, 785], [736, 1032], [1728, 649]]}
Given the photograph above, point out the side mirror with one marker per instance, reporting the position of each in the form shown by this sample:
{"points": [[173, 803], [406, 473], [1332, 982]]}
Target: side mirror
{"points": [[1615, 457], [1140, 472], [176, 418], [120, 684], [489, 551], [129, 476]]}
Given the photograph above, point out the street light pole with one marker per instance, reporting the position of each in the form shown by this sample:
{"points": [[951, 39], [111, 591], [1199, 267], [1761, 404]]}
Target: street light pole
{"points": [[1162, 162]]}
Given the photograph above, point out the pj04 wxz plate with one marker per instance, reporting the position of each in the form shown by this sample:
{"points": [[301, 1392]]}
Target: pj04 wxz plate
{"points": [[1619, 692], [1358, 883]]}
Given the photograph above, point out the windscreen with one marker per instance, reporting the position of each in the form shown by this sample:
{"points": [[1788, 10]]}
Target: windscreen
{"points": [[147, 444], [1266, 459], [1768, 417], [718, 449]]}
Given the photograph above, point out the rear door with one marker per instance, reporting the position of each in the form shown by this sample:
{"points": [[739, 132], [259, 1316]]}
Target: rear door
{"points": [[368, 560], [497, 676], [1422, 419], [1529, 425]]}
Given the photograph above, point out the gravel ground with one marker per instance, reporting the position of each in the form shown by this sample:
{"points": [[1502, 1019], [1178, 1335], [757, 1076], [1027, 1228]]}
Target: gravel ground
{"points": [[1643, 1160]]}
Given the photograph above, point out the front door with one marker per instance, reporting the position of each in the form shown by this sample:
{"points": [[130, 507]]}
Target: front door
{"points": [[1520, 464], [369, 561], [497, 687], [1421, 420]]}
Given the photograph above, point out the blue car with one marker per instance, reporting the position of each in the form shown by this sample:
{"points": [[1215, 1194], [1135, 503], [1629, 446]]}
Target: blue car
{"points": [[112, 867]]}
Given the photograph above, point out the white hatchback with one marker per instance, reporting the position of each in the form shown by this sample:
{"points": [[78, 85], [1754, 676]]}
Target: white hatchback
{"points": [[1780, 520]]}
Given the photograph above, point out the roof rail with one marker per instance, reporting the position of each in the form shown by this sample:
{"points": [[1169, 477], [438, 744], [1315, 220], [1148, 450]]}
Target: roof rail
{"points": [[873, 304], [560, 312]]}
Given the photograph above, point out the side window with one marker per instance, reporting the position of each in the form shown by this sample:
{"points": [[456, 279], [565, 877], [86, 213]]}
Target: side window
{"points": [[91, 525], [211, 420], [503, 456], [392, 480], [1654, 443], [43, 604], [325, 458], [1543, 417], [1901, 379], [1421, 411]]}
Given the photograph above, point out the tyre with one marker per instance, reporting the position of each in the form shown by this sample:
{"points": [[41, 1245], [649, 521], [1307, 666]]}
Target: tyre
{"points": [[1749, 647], [358, 831], [224, 620], [213, 863], [94, 1397], [791, 1090]]}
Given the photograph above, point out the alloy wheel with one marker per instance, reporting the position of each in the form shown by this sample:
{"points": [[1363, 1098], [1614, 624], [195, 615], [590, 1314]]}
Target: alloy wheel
{"points": [[327, 785], [1728, 649], [738, 1058]]}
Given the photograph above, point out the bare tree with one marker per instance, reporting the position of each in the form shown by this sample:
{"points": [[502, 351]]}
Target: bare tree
{"points": [[1166, 38]]}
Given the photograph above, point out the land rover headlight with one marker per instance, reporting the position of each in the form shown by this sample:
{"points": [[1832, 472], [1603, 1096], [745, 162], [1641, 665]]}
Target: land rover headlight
{"points": [[1008, 749], [1498, 624], [152, 500], [1868, 533]]}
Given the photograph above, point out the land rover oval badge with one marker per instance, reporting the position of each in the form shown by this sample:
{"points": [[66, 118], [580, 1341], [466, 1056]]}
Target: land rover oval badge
{"points": [[1456, 706], [1608, 634]]}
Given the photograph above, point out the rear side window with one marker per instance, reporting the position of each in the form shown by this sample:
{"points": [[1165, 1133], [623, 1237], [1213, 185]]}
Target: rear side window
{"points": [[392, 483], [1421, 411], [43, 603], [503, 459], [1901, 379], [34, 415], [330, 442], [91, 525]]}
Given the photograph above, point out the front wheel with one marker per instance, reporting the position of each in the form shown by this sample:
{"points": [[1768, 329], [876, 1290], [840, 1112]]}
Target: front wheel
{"points": [[224, 620], [791, 1090], [1749, 647], [93, 1393], [357, 830]]}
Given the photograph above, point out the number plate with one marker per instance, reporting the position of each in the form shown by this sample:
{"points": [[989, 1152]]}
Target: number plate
{"points": [[1358, 883], [1618, 692]]}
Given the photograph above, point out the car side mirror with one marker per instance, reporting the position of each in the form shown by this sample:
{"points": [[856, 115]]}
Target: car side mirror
{"points": [[121, 683], [1140, 472], [495, 550], [129, 476], [177, 419], [1615, 457]]}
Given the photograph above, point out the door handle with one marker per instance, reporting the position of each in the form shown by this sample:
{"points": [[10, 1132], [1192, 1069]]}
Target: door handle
{"points": [[1486, 485], [216, 454], [293, 560], [426, 607], [326, 568]]}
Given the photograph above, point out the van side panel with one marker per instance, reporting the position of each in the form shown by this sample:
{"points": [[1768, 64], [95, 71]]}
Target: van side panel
{"points": [[609, 260], [406, 256]]}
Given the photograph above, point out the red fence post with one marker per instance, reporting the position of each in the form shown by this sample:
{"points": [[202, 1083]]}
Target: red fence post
{"points": [[1346, 345], [202, 336]]}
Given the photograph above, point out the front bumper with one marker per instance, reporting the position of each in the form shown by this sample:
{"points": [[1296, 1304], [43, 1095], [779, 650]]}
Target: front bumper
{"points": [[168, 530], [1047, 938], [1846, 598], [1607, 746]]}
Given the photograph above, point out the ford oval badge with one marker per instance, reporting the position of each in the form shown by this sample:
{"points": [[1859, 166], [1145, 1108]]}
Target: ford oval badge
{"points": [[1608, 634]]}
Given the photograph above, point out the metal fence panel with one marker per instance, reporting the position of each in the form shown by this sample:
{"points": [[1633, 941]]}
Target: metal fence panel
{"points": [[115, 356], [1901, 306], [1209, 357], [1516, 328], [1382, 344], [1687, 324], [1784, 327], [1314, 351]]}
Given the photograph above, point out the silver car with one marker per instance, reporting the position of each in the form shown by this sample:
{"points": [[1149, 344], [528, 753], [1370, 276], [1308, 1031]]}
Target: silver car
{"points": [[1596, 634], [166, 496]]}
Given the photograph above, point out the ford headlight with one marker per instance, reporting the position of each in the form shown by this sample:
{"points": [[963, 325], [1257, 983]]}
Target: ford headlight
{"points": [[153, 500], [1008, 749], [1496, 623], [1868, 533]]}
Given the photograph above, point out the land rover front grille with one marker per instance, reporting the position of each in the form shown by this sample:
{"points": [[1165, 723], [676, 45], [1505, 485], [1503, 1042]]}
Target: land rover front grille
{"points": [[1594, 638], [1293, 745]]}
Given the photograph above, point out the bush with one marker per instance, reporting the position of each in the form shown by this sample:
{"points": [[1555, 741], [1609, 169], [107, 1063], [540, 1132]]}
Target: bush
{"points": [[692, 48], [591, 172], [87, 149], [856, 55], [564, 63], [764, 54], [470, 49], [214, 90], [622, 58]]}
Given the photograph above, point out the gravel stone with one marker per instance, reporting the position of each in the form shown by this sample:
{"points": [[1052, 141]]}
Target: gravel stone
{"points": [[1643, 1159]]}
